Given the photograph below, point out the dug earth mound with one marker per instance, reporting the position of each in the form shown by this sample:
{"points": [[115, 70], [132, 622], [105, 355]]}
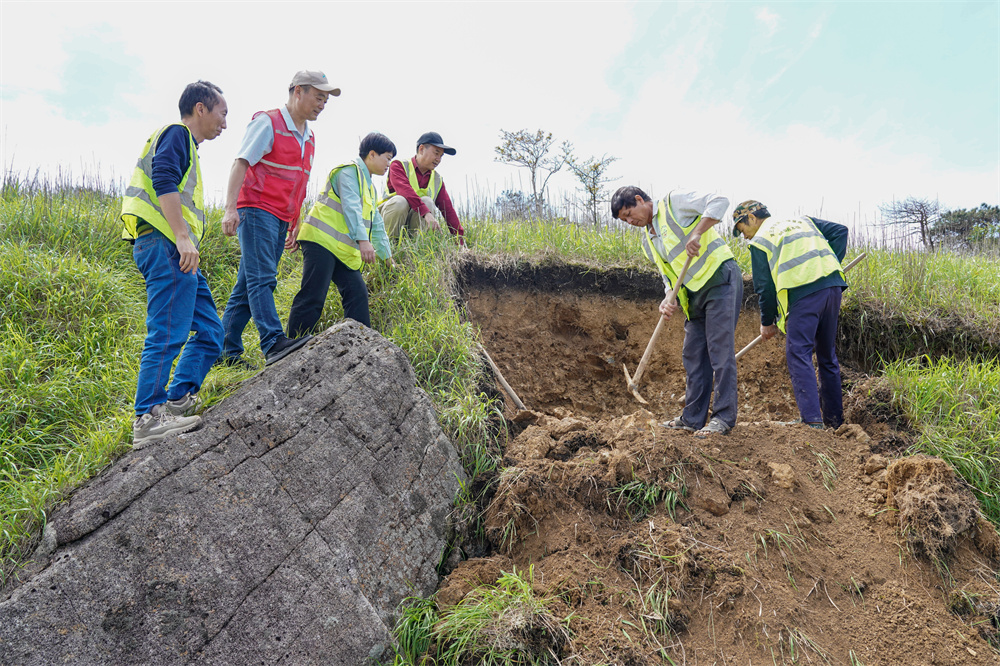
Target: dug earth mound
{"points": [[776, 544], [286, 530]]}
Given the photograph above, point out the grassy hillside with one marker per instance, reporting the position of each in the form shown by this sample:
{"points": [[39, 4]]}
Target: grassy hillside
{"points": [[72, 309]]}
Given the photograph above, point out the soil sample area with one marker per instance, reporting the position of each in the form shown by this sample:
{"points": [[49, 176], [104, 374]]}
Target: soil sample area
{"points": [[775, 544]]}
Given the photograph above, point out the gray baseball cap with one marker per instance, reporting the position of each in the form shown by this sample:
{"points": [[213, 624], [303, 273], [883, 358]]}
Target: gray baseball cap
{"points": [[316, 79]]}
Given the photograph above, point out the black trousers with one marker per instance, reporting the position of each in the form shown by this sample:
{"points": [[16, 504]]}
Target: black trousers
{"points": [[319, 268]]}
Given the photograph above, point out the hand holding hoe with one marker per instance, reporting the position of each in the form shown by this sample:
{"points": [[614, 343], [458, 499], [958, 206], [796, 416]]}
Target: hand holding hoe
{"points": [[756, 340], [633, 382]]}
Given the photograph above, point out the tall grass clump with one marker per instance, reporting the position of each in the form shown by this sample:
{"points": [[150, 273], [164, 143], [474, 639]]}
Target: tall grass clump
{"points": [[495, 625], [956, 408], [617, 244], [68, 339], [904, 303]]}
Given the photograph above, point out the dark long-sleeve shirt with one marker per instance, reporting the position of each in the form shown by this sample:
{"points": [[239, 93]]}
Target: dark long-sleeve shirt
{"points": [[172, 158], [400, 184], [763, 284]]}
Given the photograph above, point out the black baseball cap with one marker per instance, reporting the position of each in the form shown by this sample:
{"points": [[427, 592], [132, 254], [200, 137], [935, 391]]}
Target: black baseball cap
{"points": [[434, 139]]}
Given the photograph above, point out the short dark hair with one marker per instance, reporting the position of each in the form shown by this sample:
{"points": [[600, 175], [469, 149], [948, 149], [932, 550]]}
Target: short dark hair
{"points": [[380, 143], [624, 198], [207, 93], [305, 87]]}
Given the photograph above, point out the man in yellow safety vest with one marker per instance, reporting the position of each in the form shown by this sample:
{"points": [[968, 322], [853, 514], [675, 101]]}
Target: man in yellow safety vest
{"points": [[342, 231], [415, 193], [798, 275], [679, 226], [163, 212]]}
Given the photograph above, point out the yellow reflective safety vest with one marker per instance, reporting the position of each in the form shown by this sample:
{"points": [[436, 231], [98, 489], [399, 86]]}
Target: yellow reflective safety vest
{"points": [[140, 199], [434, 184], [797, 254], [325, 224], [714, 251]]}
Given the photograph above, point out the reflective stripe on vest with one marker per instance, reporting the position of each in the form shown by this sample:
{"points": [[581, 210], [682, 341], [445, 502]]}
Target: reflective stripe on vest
{"points": [[432, 190], [797, 254], [140, 200], [326, 224], [277, 183], [714, 251]]}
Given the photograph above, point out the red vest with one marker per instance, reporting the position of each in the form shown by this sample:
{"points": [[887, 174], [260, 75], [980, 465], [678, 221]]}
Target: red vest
{"points": [[277, 183]]}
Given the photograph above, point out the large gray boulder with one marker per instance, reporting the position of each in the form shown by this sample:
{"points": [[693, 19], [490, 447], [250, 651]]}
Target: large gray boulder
{"points": [[285, 531]]}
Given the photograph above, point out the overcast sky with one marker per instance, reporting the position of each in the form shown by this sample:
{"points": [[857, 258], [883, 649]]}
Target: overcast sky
{"points": [[811, 107]]}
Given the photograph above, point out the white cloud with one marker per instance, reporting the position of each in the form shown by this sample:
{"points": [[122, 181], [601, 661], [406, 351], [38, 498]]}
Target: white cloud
{"points": [[542, 66], [769, 21]]}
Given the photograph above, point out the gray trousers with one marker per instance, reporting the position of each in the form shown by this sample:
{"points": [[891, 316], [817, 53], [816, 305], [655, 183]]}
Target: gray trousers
{"points": [[710, 349]]}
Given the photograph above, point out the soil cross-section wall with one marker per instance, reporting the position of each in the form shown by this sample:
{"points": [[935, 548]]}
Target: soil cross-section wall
{"points": [[775, 544], [561, 334], [286, 530]]}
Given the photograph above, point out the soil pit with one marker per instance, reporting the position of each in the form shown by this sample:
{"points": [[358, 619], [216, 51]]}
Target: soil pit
{"points": [[774, 544]]}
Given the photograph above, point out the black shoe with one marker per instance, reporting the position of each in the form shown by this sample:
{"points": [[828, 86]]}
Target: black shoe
{"points": [[283, 347], [236, 362]]}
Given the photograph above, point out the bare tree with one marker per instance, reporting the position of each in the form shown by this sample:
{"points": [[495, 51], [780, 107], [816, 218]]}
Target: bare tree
{"points": [[592, 174], [531, 151], [912, 211]]}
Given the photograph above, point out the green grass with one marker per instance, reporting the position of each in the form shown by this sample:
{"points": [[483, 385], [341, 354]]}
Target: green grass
{"points": [[501, 625], [956, 407], [637, 498]]}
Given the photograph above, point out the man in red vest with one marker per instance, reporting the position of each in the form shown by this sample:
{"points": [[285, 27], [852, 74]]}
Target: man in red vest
{"points": [[266, 187]]}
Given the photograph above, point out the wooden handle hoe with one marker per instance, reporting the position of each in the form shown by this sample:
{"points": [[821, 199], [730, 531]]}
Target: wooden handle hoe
{"points": [[759, 338], [633, 382]]}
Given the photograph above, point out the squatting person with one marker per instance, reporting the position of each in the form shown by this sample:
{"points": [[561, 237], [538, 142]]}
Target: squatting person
{"points": [[682, 225], [415, 193], [342, 231], [798, 275], [163, 212], [267, 185]]}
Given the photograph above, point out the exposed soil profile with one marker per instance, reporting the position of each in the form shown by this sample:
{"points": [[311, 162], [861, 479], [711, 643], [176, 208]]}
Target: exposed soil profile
{"points": [[775, 544]]}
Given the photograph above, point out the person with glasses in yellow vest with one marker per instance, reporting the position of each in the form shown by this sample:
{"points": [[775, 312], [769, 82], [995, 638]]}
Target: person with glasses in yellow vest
{"points": [[798, 275], [415, 197], [267, 185], [679, 226], [163, 212], [342, 231]]}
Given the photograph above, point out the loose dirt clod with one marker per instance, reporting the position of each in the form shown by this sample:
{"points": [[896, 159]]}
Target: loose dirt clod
{"points": [[934, 506]]}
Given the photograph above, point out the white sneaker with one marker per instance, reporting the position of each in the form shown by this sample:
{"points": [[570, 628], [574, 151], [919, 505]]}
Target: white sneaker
{"points": [[160, 423], [185, 406]]}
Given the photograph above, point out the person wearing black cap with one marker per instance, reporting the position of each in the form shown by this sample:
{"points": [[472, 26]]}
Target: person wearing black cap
{"points": [[415, 196], [267, 185], [798, 275]]}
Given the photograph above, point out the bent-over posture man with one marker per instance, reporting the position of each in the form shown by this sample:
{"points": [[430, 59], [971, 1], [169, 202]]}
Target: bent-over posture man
{"points": [[797, 273], [679, 226], [267, 185], [342, 231], [163, 212]]}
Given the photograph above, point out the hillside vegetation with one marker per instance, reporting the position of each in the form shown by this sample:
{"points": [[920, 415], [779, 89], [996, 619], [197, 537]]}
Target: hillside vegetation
{"points": [[72, 309]]}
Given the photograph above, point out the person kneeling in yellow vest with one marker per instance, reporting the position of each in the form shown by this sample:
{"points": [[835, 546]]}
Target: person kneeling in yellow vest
{"points": [[342, 231]]}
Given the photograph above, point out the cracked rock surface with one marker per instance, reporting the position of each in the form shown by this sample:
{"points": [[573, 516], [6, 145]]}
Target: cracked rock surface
{"points": [[285, 530]]}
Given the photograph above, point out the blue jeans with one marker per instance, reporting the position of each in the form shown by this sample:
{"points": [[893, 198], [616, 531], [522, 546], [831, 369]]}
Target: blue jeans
{"points": [[262, 241], [812, 327], [709, 351], [176, 304]]}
